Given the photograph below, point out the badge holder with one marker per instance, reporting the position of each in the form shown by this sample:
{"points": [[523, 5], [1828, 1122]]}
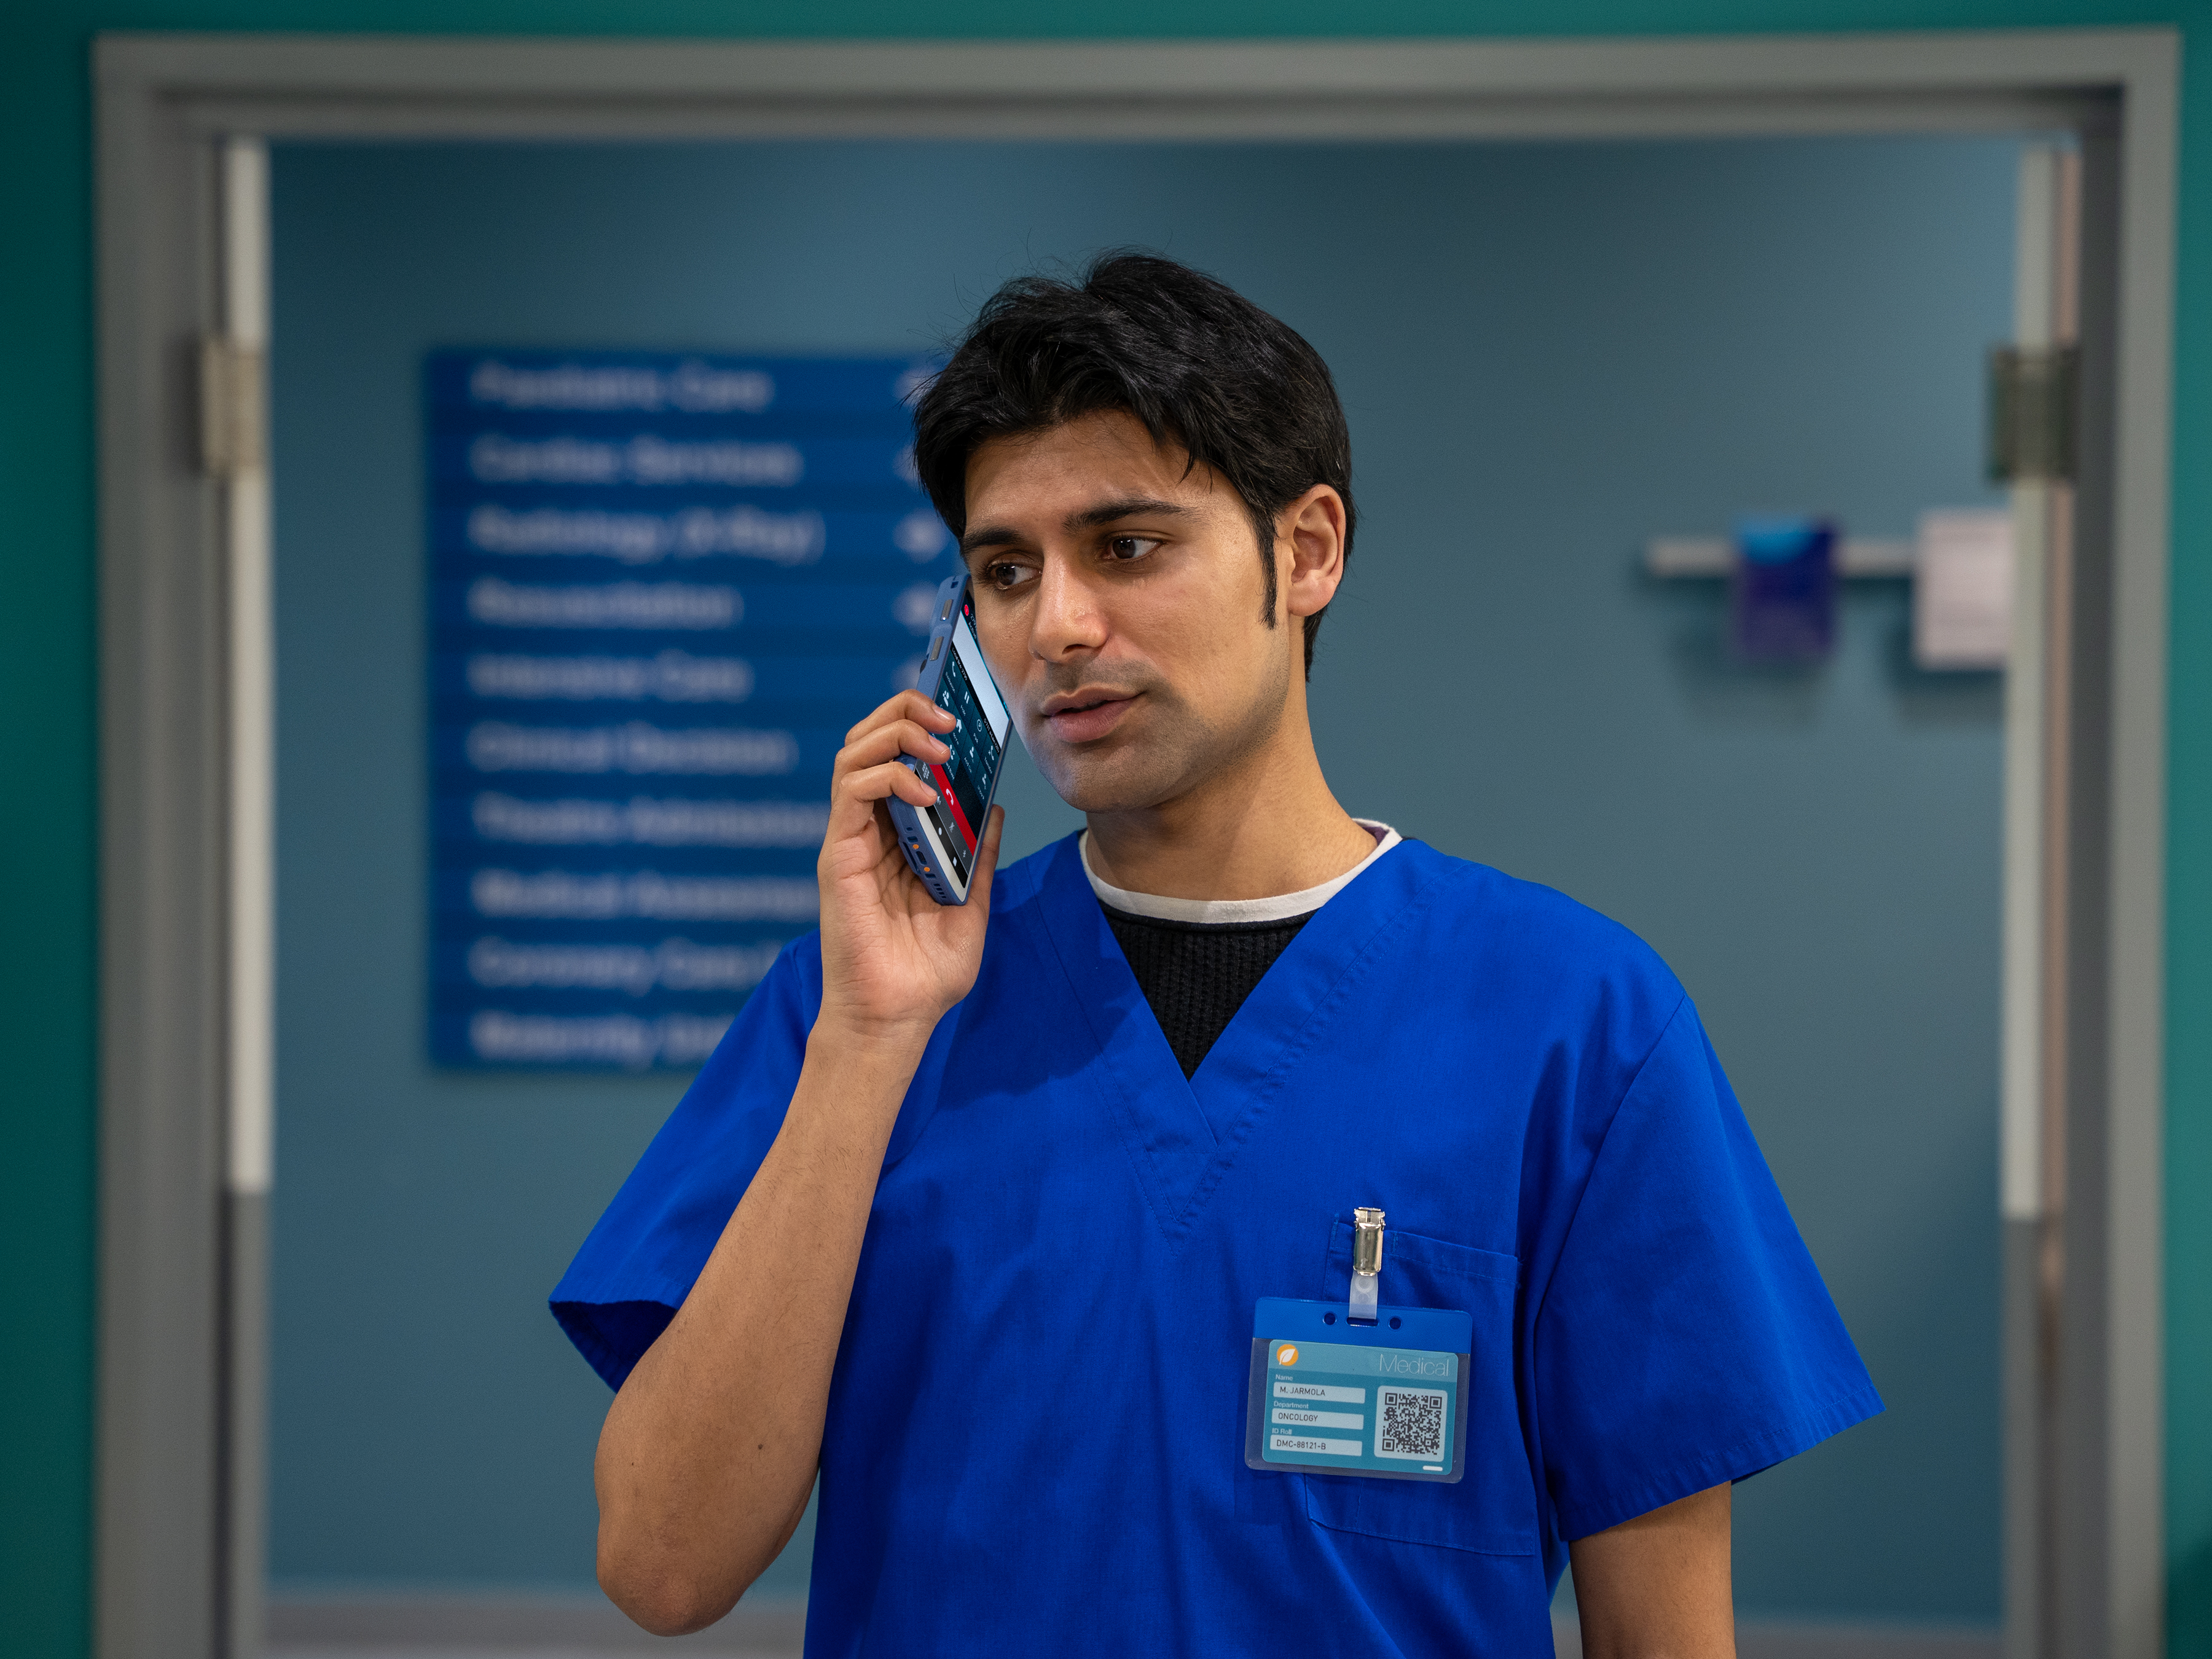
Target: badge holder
{"points": [[1360, 1387]]}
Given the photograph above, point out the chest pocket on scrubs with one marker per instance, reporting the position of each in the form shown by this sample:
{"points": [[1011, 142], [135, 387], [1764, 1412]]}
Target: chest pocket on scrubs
{"points": [[1493, 1510]]}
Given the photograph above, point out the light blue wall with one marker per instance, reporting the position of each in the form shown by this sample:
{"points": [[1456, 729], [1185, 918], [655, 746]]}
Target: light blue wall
{"points": [[1548, 353]]}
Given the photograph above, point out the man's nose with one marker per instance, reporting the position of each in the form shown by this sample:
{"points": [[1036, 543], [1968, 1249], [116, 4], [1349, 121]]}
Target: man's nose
{"points": [[1068, 617]]}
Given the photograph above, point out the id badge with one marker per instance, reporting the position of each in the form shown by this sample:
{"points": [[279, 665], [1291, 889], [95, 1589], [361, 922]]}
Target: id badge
{"points": [[1330, 1396]]}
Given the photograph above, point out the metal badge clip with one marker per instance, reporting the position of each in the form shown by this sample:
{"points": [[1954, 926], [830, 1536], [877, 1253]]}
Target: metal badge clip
{"points": [[1366, 1262]]}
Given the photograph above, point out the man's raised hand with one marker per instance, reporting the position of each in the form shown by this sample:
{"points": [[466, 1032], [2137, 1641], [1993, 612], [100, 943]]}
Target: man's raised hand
{"points": [[893, 959]]}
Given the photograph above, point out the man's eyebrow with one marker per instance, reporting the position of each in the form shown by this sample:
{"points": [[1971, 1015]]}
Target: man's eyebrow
{"points": [[990, 535], [1126, 506], [1129, 506]]}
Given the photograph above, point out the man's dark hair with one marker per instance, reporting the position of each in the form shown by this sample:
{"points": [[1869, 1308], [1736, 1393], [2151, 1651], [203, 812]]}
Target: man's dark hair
{"points": [[1195, 360]]}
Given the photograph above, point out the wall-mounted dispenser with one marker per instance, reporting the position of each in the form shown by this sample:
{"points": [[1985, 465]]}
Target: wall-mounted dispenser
{"points": [[1782, 590], [1960, 564]]}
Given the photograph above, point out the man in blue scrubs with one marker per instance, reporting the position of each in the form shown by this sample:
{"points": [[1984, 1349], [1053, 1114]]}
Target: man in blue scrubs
{"points": [[972, 1209]]}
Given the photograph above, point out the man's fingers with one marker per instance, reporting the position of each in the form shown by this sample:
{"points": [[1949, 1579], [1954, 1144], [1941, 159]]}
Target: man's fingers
{"points": [[907, 705], [856, 801], [899, 736], [874, 783], [987, 854]]}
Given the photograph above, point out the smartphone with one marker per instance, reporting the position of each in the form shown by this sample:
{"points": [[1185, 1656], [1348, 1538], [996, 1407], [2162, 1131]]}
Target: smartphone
{"points": [[940, 841]]}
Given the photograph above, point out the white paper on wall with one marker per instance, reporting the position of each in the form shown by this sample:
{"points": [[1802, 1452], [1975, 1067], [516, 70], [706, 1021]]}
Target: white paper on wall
{"points": [[1962, 590]]}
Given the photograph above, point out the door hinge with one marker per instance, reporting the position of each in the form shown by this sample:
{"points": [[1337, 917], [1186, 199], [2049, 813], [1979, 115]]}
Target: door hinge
{"points": [[2033, 392], [234, 410]]}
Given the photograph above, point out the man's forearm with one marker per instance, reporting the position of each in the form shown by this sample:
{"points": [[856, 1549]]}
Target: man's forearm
{"points": [[711, 1447]]}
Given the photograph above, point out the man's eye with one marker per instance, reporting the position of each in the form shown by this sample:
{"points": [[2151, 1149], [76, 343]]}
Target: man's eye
{"points": [[1126, 548], [1003, 576]]}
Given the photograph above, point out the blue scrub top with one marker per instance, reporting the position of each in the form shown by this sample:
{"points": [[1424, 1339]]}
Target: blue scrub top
{"points": [[1036, 1430]]}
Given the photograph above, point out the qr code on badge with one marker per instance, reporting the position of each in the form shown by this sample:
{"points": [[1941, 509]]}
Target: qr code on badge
{"points": [[1413, 1423]]}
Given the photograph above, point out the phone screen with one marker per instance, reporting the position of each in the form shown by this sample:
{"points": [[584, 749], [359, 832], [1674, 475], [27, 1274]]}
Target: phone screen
{"points": [[978, 743]]}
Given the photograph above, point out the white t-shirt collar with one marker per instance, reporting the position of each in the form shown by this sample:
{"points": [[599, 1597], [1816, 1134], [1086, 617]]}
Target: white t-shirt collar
{"points": [[1279, 909]]}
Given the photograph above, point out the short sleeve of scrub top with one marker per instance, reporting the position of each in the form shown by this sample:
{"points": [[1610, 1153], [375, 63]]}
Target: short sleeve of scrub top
{"points": [[641, 1259], [1682, 1251]]}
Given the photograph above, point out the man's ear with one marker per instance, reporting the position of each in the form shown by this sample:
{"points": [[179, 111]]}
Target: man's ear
{"points": [[1310, 530]]}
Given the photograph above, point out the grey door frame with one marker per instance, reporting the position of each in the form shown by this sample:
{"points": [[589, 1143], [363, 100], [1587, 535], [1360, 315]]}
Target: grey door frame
{"points": [[177, 1473]]}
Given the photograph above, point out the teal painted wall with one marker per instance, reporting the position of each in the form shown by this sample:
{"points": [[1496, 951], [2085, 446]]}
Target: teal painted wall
{"points": [[1547, 351], [48, 759]]}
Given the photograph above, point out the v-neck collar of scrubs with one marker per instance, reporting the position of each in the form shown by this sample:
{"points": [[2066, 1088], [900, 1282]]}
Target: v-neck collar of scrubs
{"points": [[1183, 1136]]}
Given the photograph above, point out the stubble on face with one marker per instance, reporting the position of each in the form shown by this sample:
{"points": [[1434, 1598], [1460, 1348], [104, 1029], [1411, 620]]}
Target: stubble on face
{"points": [[1174, 750]]}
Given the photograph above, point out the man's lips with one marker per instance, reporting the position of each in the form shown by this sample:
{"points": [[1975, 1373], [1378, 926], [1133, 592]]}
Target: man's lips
{"points": [[1086, 716]]}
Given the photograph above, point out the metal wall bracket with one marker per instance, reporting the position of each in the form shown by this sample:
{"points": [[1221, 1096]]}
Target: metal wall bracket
{"points": [[234, 408], [2033, 399], [1670, 556]]}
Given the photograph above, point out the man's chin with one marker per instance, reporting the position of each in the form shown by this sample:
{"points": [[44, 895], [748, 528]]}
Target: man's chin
{"points": [[1105, 778]]}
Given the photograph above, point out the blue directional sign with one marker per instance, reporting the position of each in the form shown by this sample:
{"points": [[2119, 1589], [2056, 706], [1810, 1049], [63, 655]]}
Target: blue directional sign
{"points": [[662, 588]]}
